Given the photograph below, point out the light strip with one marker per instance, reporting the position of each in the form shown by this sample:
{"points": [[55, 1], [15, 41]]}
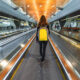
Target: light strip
{"points": [[71, 17], [36, 9], [8, 18], [46, 7]]}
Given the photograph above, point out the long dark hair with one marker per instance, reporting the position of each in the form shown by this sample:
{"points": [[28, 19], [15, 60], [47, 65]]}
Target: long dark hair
{"points": [[42, 21]]}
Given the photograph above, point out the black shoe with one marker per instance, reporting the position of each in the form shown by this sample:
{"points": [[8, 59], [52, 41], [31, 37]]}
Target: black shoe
{"points": [[42, 59]]}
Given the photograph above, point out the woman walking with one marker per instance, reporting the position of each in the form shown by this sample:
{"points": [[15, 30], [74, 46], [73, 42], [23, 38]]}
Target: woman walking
{"points": [[42, 35]]}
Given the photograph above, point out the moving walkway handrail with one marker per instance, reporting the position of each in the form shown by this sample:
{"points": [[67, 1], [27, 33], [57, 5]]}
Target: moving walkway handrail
{"points": [[10, 45], [11, 66], [13, 38], [65, 66]]}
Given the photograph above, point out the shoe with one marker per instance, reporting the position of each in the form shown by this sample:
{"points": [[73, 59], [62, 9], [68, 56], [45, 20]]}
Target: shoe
{"points": [[42, 59]]}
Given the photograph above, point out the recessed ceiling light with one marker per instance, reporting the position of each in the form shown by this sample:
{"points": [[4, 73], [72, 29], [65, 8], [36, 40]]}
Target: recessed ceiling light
{"points": [[45, 12], [28, 6], [53, 6], [40, 5]]}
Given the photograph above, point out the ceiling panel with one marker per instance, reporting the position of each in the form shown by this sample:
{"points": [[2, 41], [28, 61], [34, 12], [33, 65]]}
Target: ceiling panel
{"points": [[68, 9], [36, 8]]}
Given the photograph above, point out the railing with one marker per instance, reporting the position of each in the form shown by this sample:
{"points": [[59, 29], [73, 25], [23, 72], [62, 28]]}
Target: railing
{"points": [[8, 45]]}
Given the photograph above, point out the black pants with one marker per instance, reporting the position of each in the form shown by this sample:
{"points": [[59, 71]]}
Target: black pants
{"points": [[43, 45]]}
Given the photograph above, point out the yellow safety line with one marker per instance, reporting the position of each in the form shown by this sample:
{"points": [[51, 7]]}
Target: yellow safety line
{"points": [[62, 73], [60, 70], [16, 69], [14, 73]]}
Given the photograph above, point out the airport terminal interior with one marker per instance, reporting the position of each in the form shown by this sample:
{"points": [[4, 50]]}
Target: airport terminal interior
{"points": [[20, 57]]}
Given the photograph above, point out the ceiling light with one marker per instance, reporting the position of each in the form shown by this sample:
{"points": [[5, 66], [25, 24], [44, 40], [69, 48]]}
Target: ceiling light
{"points": [[53, 6], [28, 6], [46, 7], [45, 12], [36, 9], [40, 5]]}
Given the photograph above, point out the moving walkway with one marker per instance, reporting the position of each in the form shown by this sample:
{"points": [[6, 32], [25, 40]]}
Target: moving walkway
{"points": [[26, 65], [31, 68]]}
